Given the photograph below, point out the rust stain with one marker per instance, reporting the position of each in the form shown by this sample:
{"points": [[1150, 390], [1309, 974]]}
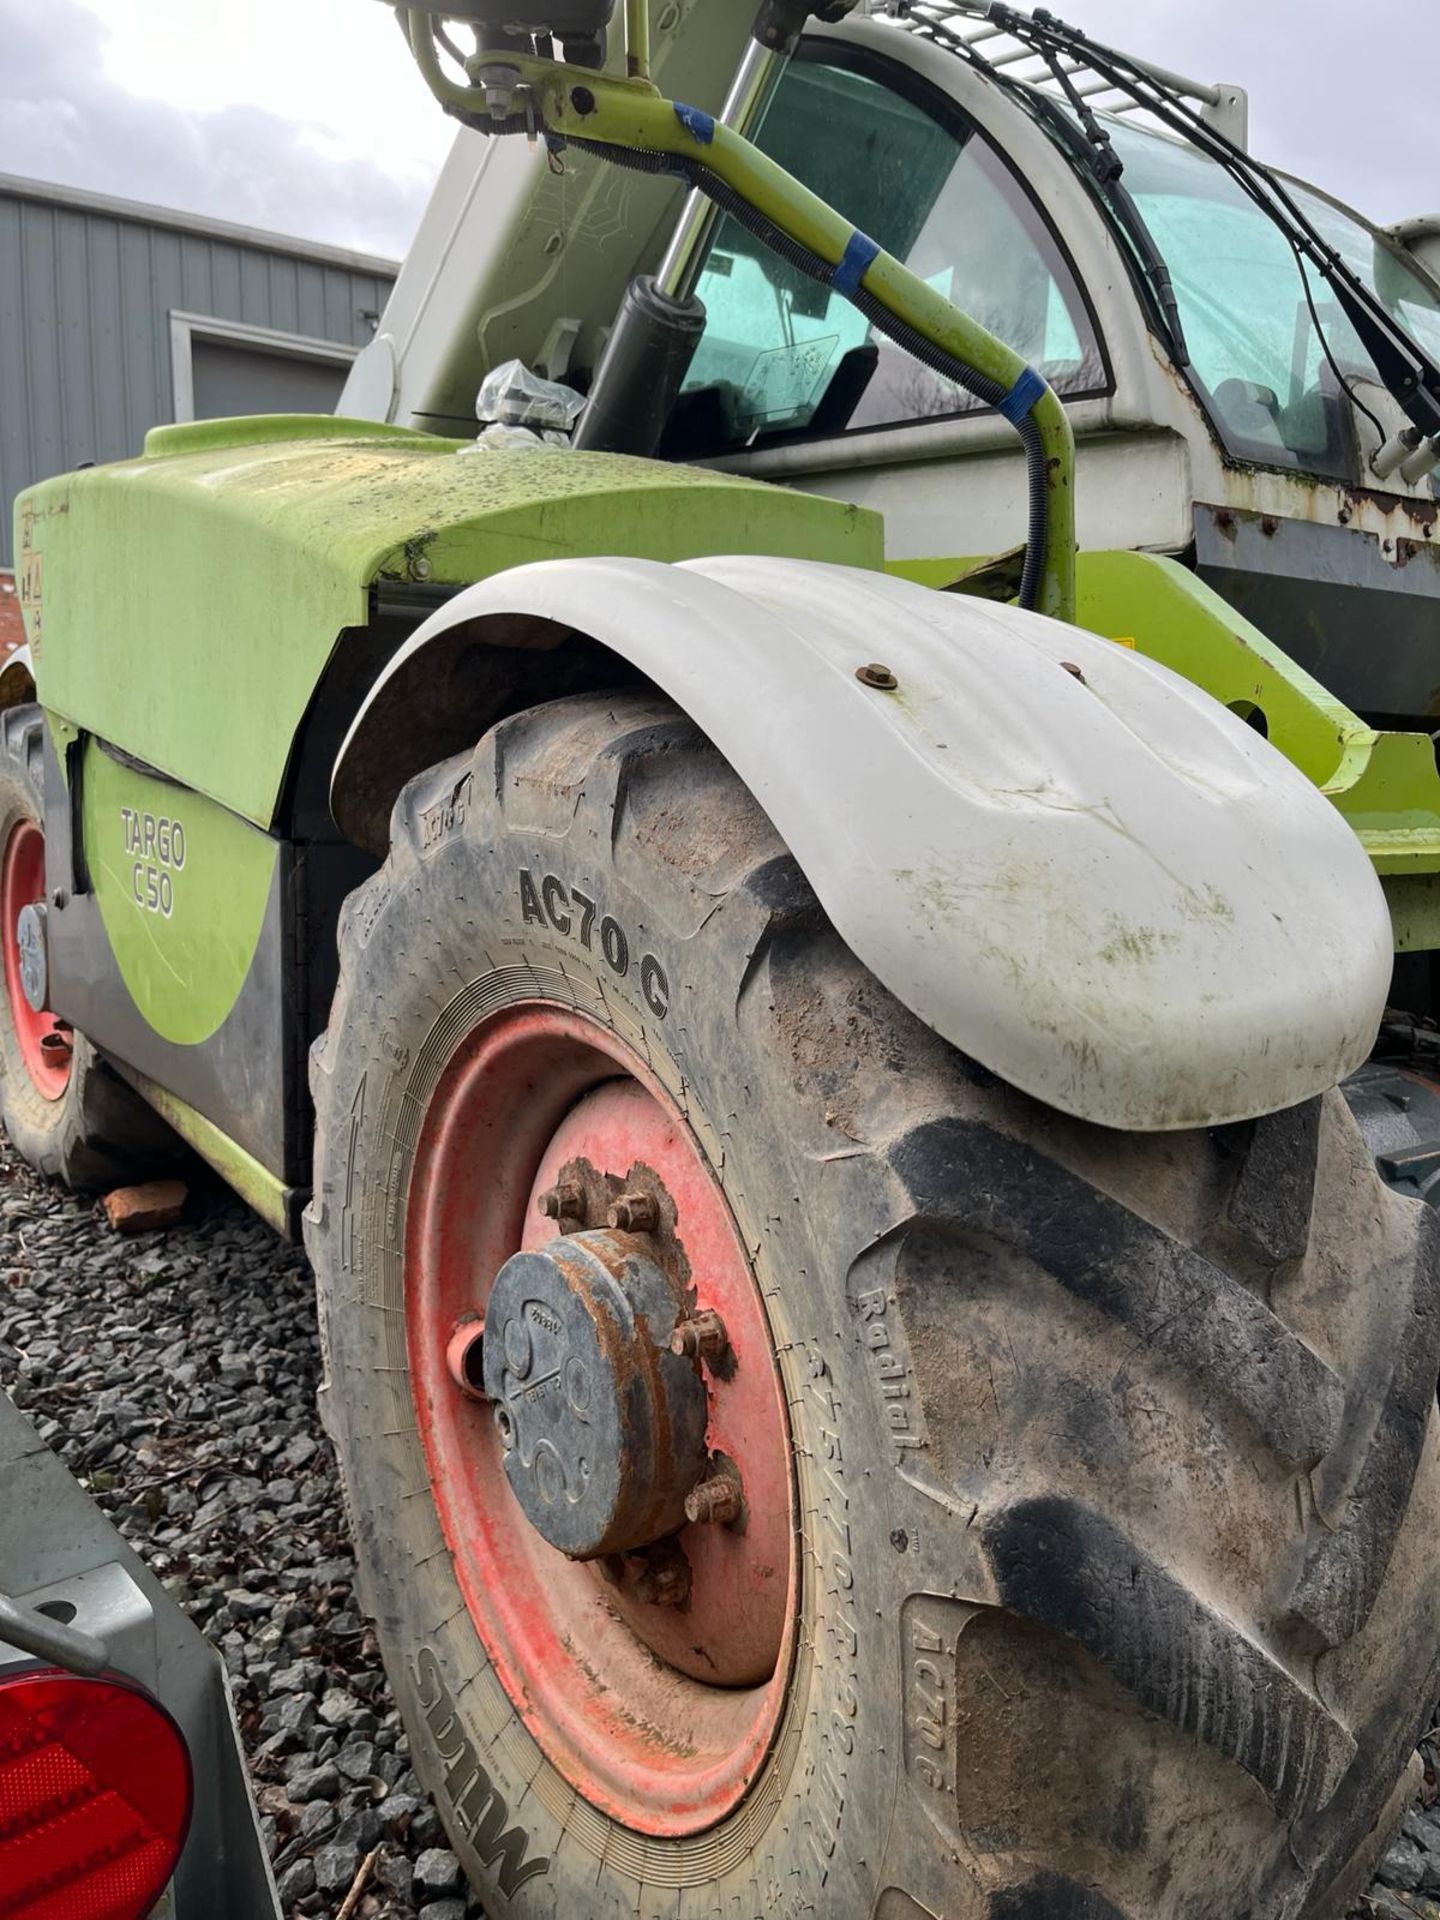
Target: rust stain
{"points": [[12, 627]]}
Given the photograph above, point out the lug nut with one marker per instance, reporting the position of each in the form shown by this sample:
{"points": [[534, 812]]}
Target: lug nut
{"points": [[565, 1202], [665, 1585], [702, 1338], [715, 1502], [664, 1578], [635, 1213]]}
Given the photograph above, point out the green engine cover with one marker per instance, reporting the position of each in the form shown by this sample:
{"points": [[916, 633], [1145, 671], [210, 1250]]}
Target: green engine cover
{"points": [[184, 605]]}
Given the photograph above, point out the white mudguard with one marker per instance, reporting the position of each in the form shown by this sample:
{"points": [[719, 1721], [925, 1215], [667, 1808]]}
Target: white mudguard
{"points": [[1071, 863]]}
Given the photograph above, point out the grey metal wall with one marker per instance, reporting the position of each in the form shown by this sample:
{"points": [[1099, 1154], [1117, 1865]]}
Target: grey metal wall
{"points": [[87, 287]]}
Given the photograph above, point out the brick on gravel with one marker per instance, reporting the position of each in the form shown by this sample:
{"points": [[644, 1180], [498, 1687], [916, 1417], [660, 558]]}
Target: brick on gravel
{"points": [[144, 1209]]}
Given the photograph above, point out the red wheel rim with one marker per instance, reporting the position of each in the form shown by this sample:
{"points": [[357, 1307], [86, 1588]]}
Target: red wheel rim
{"points": [[44, 1044], [608, 1687]]}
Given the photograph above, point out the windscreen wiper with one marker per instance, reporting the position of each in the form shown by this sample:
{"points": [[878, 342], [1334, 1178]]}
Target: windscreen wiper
{"points": [[1406, 370], [1107, 170]]}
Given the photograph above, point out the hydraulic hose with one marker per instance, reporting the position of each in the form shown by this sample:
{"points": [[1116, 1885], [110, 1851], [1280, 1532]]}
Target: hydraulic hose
{"points": [[989, 392], [630, 124]]}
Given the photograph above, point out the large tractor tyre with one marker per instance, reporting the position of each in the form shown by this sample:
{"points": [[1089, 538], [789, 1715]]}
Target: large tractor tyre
{"points": [[64, 1109], [1048, 1527]]}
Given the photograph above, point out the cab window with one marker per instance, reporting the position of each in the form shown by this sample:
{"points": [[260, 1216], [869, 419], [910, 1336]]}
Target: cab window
{"points": [[783, 354]]}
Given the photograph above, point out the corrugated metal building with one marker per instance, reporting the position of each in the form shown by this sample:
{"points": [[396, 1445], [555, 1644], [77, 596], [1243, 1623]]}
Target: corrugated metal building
{"points": [[116, 317]]}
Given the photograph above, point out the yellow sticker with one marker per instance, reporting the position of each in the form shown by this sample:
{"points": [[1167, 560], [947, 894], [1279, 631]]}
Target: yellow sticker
{"points": [[1122, 641]]}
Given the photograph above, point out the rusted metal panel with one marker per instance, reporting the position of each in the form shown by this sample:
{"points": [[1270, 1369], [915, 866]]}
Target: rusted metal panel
{"points": [[12, 627], [1357, 606]]}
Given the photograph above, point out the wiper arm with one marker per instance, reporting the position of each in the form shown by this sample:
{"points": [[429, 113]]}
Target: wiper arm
{"points": [[1153, 263], [1107, 170], [1409, 374]]}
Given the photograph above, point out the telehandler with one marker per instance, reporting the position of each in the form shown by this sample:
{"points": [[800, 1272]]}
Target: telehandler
{"points": [[863, 932]]}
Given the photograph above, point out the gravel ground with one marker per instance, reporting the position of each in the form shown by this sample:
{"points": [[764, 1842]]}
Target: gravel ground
{"points": [[175, 1374]]}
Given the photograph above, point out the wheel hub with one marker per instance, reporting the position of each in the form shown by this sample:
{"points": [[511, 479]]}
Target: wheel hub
{"points": [[602, 1425], [34, 959], [654, 1678]]}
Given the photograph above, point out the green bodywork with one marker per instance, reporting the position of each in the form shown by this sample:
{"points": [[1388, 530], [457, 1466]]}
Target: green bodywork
{"points": [[188, 610], [190, 600], [183, 610], [185, 605], [181, 885]]}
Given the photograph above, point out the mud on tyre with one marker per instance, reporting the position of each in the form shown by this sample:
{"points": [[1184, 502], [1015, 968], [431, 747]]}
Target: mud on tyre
{"points": [[1112, 1459]]}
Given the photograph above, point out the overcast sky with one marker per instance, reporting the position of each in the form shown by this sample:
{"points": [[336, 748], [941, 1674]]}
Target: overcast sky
{"points": [[307, 117]]}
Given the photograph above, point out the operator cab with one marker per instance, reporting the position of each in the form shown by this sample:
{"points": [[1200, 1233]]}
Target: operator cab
{"points": [[1295, 483]]}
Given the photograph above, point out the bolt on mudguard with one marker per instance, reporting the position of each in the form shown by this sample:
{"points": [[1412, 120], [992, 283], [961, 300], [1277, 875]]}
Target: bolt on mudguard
{"points": [[1071, 863]]}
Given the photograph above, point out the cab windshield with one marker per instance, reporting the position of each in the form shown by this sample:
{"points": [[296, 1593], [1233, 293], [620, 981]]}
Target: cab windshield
{"points": [[1256, 356]]}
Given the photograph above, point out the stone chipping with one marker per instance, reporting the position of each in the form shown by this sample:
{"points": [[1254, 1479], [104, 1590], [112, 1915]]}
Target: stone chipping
{"points": [[175, 1374]]}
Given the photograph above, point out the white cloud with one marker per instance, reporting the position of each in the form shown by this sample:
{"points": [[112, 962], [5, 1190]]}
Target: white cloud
{"points": [[1332, 97], [307, 116], [288, 125]]}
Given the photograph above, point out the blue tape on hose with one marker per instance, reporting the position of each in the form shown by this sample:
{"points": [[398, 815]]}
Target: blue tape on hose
{"points": [[854, 266], [700, 126], [1022, 396]]}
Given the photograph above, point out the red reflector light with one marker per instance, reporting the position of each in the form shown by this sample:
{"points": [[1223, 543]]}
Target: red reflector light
{"points": [[95, 1794]]}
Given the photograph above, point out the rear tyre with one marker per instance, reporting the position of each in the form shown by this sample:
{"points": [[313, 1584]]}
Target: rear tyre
{"points": [[1113, 1587], [64, 1109]]}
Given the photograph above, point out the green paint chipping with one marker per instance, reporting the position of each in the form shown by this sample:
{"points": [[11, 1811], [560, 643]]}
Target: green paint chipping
{"points": [[191, 599], [256, 1185], [182, 888]]}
